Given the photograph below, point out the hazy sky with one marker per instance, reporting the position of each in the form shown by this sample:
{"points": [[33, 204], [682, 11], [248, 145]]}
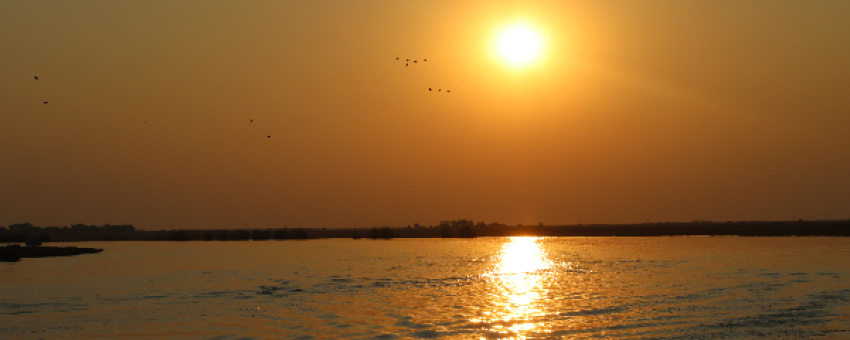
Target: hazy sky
{"points": [[635, 110]]}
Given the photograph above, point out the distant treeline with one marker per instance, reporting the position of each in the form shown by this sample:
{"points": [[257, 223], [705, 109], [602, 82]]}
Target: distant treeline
{"points": [[238, 235], [22, 232], [445, 229]]}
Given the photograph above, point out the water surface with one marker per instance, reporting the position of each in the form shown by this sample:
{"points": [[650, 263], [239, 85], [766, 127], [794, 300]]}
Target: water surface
{"points": [[486, 288]]}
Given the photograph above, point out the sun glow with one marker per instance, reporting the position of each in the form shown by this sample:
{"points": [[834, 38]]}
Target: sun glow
{"points": [[519, 45]]}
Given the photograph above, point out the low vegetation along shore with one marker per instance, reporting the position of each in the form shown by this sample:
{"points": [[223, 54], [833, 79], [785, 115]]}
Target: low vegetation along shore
{"points": [[19, 233], [14, 252]]}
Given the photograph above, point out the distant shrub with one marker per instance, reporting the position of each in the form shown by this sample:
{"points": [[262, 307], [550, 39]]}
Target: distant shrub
{"points": [[43, 237], [280, 234], [259, 235], [9, 254], [240, 235], [383, 233], [13, 238], [179, 235], [299, 234]]}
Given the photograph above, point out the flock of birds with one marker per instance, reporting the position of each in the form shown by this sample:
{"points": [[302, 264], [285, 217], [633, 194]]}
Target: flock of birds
{"points": [[251, 121], [407, 64], [407, 61], [35, 78]]}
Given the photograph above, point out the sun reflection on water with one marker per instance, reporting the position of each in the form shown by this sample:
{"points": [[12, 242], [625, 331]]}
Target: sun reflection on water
{"points": [[516, 291]]}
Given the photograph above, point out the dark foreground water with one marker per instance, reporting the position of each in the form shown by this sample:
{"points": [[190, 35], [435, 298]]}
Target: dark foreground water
{"points": [[488, 288]]}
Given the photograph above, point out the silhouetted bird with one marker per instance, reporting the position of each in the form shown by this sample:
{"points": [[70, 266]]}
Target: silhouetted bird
{"points": [[448, 90], [251, 120], [439, 90], [45, 102], [424, 59], [36, 78], [407, 60], [405, 65], [268, 136], [396, 58], [429, 89], [414, 61]]}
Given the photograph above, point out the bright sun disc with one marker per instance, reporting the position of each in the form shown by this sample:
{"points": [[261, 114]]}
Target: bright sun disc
{"points": [[519, 45]]}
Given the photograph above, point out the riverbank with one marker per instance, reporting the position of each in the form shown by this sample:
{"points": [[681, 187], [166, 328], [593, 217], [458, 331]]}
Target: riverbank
{"points": [[464, 230], [457, 230], [13, 252]]}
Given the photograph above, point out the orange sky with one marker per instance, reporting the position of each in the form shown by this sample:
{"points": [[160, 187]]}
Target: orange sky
{"points": [[658, 110]]}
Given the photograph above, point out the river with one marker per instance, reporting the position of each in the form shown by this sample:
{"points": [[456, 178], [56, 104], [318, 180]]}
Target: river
{"points": [[484, 288]]}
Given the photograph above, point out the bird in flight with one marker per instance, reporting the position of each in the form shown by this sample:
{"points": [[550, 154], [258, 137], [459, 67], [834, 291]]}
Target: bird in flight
{"points": [[439, 90], [251, 120], [414, 61], [36, 78], [424, 59], [396, 58], [268, 136], [405, 65], [45, 102], [429, 89], [448, 90]]}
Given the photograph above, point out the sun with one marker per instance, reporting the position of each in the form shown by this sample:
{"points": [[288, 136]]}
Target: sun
{"points": [[519, 45]]}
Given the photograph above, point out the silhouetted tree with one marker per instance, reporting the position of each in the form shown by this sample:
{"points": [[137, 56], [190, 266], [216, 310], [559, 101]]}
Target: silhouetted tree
{"points": [[43, 237], [223, 236], [467, 232], [446, 231], [19, 226], [209, 236]]}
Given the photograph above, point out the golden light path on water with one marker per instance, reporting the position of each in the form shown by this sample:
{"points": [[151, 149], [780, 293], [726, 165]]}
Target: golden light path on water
{"points": [[518, 281]]}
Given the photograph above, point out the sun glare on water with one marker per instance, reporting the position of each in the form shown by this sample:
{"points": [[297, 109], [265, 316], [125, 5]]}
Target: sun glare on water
{"points": [[517, 290], [519, 45]]}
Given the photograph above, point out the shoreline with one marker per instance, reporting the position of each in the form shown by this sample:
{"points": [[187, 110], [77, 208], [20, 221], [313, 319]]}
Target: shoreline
{"points": [[468, 230], [14, 253]]}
